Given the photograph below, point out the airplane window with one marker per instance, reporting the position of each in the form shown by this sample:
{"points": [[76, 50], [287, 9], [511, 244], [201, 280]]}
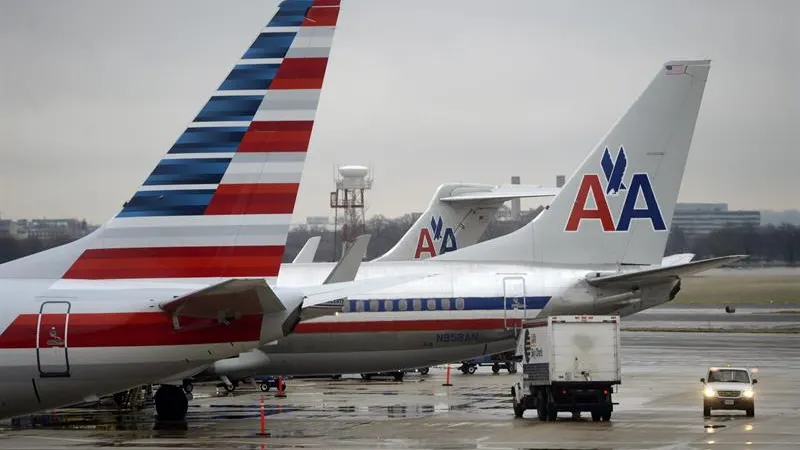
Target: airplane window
{"points": [[402, 304], [417, 304], [387, 305], [445, 303], [459, 303], [431, 304], [374, 305]]}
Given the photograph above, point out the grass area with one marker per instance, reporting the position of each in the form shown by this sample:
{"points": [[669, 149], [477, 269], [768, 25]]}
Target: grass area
{"points": [[744, 288]]}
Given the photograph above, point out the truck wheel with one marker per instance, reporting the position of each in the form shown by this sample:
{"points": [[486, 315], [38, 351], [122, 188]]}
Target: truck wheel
{"points": [[398, 376], [472, 369], [751, 411], [541, 407], [606, 416], [496, 368], [552, 412], [706, 411], [511, 367], [596, 416], [519, 410], [264, 386]]}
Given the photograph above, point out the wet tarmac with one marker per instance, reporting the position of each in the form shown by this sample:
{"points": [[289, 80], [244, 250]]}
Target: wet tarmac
{"points": [[716, 318], [660, 407]]}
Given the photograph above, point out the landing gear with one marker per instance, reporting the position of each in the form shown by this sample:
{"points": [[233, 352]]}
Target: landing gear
{"points": [[424, 370], [171, 403]]}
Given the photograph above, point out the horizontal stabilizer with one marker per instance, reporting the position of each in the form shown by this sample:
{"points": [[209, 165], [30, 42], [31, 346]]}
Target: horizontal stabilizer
{"points": [[503, 192], [680, 258], [660, 274], [347, 267], [308, 251], [229, 299]]}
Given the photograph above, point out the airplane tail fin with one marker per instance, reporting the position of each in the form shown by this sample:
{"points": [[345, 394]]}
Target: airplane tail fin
{"points": [[219, 203], [457, 217], [617, 207]]}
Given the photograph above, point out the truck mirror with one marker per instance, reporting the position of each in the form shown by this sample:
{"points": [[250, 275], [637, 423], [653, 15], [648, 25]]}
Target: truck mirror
{"points": [[702, 380]]}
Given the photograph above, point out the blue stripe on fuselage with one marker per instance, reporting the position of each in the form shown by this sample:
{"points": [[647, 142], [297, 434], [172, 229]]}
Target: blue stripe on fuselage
{"points": [[445, 304]]}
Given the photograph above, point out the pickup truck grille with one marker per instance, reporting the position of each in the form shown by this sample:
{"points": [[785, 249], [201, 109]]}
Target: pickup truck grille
{"points": [[729, 394]]}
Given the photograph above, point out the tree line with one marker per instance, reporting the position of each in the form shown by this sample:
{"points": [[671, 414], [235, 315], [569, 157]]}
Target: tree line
{"points": [[769, 244]]}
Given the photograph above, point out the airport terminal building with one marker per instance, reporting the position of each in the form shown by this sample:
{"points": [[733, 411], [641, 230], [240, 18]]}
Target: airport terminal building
{"points": [[699, 219]]}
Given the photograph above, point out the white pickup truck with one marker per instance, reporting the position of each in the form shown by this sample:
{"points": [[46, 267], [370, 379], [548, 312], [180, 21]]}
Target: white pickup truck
{"points": [[729, 388], [570, 364]]}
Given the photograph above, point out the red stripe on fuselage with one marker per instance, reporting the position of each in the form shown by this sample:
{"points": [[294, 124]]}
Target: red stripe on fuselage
{"points": [[273, 198], [405, 325], [137, 329], [177, 262]]}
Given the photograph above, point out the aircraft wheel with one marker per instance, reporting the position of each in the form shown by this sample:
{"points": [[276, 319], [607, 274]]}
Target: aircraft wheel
{"points": [[171, 403], [511, 367], [264, 386], [188, 387], [424, 370], [496, 368], [230, 387], [398, 376], [472, 369]]}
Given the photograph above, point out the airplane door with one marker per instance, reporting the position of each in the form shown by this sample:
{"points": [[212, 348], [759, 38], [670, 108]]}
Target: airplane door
{"points": [[514, 304], [52, 353]]}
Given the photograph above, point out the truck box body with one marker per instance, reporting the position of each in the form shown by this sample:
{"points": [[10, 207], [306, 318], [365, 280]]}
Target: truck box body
{"points": [[571, 349], [569, 364]]}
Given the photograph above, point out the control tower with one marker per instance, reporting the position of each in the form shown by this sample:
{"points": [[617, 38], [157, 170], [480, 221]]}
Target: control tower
{"points": [[348, 203]]}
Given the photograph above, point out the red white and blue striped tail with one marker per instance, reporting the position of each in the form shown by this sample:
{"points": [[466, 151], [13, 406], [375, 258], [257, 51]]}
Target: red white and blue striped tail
{"points": [[219, 204]]}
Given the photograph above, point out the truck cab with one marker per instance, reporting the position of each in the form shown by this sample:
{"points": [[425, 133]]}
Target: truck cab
{"points": [[729, 388]]}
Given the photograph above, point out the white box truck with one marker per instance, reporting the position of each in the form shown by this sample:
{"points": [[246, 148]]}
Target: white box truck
{"points": [[569, 364]]}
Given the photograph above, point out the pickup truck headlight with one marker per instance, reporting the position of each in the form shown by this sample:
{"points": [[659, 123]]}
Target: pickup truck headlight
{"points": [[708, 392], [748, 393]]}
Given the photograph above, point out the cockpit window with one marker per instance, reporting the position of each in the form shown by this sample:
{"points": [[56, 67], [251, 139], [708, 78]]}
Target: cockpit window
{"points": [[728, 376]]}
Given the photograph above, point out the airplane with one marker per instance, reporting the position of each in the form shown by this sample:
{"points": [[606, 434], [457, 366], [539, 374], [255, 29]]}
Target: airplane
{"points": [[179, 277], [457, 215], [596, 249]]}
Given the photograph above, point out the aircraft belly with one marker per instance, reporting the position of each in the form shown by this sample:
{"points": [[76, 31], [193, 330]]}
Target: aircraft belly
{"points": [[299, 364], [383, 341]]}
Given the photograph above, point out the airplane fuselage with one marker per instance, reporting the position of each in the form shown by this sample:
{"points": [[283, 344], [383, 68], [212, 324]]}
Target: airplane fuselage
{"points": [[63, 342], [466, 311]]}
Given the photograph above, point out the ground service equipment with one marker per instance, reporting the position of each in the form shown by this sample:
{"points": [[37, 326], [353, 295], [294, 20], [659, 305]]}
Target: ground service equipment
{"points": [[570, 364]]}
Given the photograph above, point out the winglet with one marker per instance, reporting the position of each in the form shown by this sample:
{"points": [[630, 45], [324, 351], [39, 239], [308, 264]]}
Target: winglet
{"points": [[308, 251], [347, 267]]}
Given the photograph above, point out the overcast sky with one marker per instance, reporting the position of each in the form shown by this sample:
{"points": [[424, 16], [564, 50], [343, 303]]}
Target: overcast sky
{"points": [[92, 93]]}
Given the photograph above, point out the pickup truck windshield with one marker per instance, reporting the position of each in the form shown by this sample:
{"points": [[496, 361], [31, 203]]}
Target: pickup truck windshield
{"points": [[728, 376]]}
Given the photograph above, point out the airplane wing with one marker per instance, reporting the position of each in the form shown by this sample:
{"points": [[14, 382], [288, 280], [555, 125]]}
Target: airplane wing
{"points": [[502, 193], [347, 267], [308, 251], [660, 274]]}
